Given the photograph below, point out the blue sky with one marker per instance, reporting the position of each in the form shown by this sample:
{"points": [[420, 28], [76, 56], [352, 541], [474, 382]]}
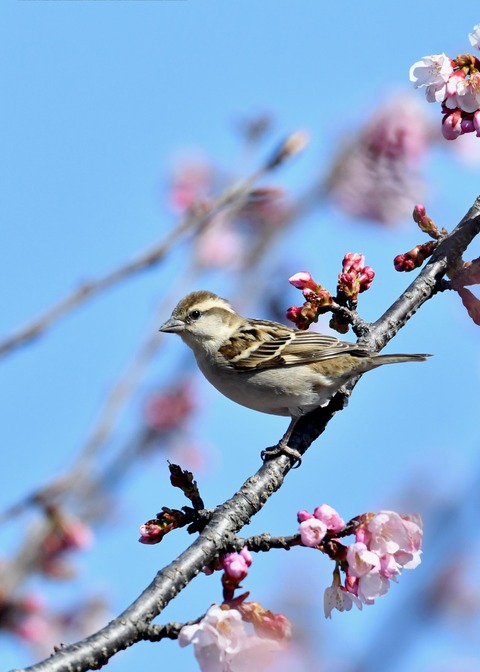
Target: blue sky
{"points": [[97, 99]]}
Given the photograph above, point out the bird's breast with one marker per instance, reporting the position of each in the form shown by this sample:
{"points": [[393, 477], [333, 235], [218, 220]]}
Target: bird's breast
{"points": [[289, 391]]}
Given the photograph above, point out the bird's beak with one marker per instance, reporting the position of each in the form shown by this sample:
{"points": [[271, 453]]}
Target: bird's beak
{"points": [[173, 326]]}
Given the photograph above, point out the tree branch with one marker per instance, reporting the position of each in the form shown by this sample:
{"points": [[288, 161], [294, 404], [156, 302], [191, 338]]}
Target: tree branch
{"points": [[134, 623]]}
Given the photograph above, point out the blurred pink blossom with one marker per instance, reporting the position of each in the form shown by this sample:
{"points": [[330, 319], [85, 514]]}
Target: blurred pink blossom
{"points": [[376, 176], [220, 245], [167, 410], [222, 644], [191, 181]]}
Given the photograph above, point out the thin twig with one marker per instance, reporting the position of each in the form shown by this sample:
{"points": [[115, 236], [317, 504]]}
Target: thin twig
{"points": [[230, 517], [233, 198]]}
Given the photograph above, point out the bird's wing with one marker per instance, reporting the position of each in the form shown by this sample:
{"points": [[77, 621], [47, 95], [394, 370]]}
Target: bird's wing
{"points": [[261, 345]]}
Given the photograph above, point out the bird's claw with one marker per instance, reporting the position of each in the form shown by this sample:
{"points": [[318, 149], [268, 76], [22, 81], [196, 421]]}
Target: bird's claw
{"points": [[282, 449]]}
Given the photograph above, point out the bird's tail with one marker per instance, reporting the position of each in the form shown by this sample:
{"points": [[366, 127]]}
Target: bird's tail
{"points": [[392, 359]]}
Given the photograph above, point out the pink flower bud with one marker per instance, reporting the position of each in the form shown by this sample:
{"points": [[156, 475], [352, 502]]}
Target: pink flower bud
{"points": [[330, 517], [303, 515], [293, 313], [353, 261], [403, 263], [303, 280], [476, 122], [366, 278], [419, 211], [151, 532], [300, 316], [236, 565], [312, 531], [452, 125], [467, 126]]}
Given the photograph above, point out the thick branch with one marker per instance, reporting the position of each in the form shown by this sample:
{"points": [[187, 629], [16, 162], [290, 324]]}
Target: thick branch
{"points": [[134, 623]]}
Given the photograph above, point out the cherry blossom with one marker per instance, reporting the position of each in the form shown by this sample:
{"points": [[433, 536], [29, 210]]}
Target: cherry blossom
{"points": [[338, 597], [455, 83], [474, 37], [312, 531], [433, 73], [385, 544], [361, 560], [222, 643]]}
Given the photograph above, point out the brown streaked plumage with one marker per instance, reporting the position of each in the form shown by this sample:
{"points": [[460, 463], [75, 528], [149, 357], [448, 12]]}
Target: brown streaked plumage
{"points": [[268, 366]]}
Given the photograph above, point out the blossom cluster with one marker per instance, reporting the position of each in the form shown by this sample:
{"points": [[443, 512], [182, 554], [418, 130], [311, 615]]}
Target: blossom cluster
{"points": [[166, 411], [66, 534], [318, 300], [455, 83], [376, 174], [414, 258], [222, 641], [354, 279], [385, 544], [237, 633]]}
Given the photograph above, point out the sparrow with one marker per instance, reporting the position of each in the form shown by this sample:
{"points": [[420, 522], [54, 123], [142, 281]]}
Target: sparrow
{"points": [[267, 366]]}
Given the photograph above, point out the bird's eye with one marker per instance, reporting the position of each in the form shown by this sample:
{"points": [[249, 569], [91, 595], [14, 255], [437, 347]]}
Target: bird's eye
{"points": [[194, 314]]}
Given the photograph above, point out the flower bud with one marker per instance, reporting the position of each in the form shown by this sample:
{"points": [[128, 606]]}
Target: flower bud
{"points": [[303, 280], [452, 125]]}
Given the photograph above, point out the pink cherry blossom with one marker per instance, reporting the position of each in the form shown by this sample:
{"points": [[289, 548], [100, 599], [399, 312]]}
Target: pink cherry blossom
{"points": [[338, 597], [222, 643], [372, 585], [389, 567], [361, 560], [330, 517], [312, 531], [392, 533], [465, 93], [474, 37], [432, 72]]}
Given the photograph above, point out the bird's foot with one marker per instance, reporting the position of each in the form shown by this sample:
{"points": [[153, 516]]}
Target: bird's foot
{"points": [[282, 448]]}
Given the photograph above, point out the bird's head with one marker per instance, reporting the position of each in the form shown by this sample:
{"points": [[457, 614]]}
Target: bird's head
{"points": [[203, 320]]}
